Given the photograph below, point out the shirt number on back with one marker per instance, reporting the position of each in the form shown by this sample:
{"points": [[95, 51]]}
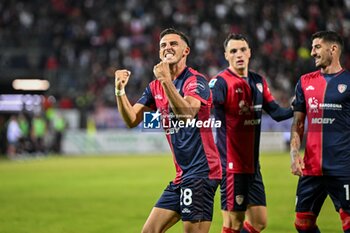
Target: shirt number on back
{"points": [[346, 186], [186, 197]]}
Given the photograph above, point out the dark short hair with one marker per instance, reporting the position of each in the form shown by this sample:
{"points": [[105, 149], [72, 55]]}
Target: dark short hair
{"points": [[183, 36], [233, 36], [329, 36]]}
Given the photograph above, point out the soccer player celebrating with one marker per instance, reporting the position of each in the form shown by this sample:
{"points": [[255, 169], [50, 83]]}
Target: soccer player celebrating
{"points": [[182, 92], [239, 96], [322, 96]]}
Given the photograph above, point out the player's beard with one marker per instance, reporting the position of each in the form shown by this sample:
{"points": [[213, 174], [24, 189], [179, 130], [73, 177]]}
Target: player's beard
{"points": [[323, 62]]}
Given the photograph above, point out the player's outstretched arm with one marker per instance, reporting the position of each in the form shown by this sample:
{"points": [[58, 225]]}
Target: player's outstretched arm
{"points": [[185, 108], [277, 112], [132, 115], [297, 131]]}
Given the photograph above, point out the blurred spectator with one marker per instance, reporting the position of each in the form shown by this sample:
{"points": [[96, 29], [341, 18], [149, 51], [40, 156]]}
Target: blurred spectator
{"points": [[59, 125], [25, 144], [38, 132], [13, 136]]}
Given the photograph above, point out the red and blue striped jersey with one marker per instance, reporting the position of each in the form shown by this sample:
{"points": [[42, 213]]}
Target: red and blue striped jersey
{"points": [[325, 99], [194, 151], [238, 104]]}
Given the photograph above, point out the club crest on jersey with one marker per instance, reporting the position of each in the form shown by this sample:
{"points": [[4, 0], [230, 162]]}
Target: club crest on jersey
{"points": [[342, 88], [239, 199], [260, 87]]}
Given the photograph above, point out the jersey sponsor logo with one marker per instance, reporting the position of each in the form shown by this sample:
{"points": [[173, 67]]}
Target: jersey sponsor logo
{"points": [[313, 104], [239, 199], [212, 82], [260, 87], [151, 120], [310, 88], [330, 106], [252, 122], [342, 88], [322, 121], [257, 107]]}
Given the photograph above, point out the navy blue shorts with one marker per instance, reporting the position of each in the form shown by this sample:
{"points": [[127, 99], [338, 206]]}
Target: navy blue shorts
{"points": [[234, 191], [193, 199], [240, 190], [257, 194], [313, 190]]}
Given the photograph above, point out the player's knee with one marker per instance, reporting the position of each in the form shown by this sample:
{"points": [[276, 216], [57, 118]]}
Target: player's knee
{"points": [[150, 229], [233, 219], [305, 221], [345, 219]]}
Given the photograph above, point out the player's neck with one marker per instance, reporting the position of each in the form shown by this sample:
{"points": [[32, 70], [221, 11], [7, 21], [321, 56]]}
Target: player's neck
{"points": [[332, 68], [239, 73], [176, 69]]}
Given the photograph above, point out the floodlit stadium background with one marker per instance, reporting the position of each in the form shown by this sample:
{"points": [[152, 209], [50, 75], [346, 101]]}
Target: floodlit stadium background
{"points": [[77, 45]]}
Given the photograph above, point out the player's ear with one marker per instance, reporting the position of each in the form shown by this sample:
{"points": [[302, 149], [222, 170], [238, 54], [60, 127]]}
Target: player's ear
{"points": [[186, 51], [334, 48], [226, 55], [249, 53]]}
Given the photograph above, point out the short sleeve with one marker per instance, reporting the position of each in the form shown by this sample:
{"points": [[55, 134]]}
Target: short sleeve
{"points": [[147, 98], [197, 87], [219, 88], [299, 101]]}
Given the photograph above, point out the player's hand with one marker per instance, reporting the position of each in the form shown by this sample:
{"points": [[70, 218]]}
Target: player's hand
{"points": [[121, 78], [162, 72], [297, 163]]}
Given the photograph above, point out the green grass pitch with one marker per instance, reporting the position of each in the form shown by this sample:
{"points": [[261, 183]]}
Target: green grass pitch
{"points": [[105, 194]]}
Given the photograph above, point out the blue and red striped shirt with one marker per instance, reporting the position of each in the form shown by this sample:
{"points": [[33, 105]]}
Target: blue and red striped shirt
{"points": [[325, 99], [194, 151], [238, 104]]}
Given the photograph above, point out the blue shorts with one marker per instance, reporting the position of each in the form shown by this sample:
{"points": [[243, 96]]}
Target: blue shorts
{"points": [[313, 190], [240, 190], [234, 191], [257, 194], [193, 198]]}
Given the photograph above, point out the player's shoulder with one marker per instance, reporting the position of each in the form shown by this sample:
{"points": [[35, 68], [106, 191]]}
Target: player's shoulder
{"points": [[345, 73], [219, 78], [311, 75], [255, 76], [154, 84], [194, 73]]}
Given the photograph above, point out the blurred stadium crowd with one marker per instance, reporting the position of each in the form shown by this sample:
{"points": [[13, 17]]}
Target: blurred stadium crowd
{"points": [[77, 45]]}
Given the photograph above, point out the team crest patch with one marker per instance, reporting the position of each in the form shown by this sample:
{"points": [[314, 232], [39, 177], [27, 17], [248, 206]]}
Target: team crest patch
{"points": [[342, 88], [260, 87], [239, 199]]}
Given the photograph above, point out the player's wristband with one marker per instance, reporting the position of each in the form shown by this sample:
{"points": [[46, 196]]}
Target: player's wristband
{"points": [[119, 92]]}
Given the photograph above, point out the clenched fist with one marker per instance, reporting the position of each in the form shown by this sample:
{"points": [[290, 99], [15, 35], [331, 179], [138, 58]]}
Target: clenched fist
{"points": [[162, 72], [121, 78]]}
